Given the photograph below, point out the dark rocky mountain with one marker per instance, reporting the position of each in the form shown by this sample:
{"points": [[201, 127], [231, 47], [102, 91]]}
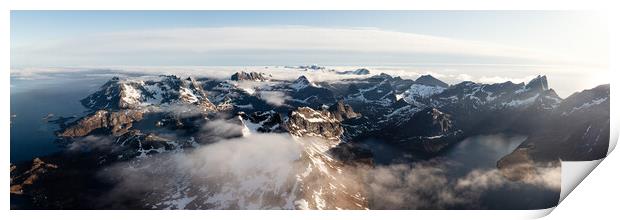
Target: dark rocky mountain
{"points": [[265, 122], [252, 76], [487, 108], [429, 130], [309, 122], [135, 121], [301, 83], [538, 83], [306, 93], [115, 123], [431, 81], [376, 90], [343, 111], [575, 129]]}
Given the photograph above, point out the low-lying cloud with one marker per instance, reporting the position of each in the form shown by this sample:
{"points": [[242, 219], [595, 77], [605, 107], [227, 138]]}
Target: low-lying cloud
{"points": [[93, 143], [428, 185], [233, 170], [219, 129], [275, 98], [258, 171], [242, 173]]}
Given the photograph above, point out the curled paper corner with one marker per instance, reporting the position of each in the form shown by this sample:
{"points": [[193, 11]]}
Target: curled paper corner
{"points": [[573, 172], [541, 213]]}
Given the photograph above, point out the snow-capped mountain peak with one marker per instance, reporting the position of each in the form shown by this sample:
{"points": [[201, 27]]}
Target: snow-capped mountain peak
{"points": [[133, 94], [301, 83]]}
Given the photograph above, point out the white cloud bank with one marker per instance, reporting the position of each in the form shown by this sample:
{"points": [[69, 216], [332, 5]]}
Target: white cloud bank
{"points": [[274, 97], [267, 44], [254, 172]]}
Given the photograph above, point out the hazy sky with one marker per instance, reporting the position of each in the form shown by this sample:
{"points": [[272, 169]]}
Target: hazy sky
{"points": [[571, 42]]}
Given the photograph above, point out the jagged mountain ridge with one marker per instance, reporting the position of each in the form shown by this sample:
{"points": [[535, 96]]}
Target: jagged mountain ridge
{"points": [[382, 106], [131, 94], [325, 117]]}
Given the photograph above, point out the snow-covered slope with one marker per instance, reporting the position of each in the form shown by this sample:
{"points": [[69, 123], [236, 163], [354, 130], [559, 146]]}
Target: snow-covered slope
{"points": [[133, 94]]}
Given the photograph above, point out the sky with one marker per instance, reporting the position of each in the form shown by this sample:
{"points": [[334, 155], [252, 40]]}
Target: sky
{"points": [[553, 42]]}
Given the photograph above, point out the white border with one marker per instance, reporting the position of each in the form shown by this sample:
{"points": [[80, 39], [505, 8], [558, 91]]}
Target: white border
{"points": [[311, 5]]}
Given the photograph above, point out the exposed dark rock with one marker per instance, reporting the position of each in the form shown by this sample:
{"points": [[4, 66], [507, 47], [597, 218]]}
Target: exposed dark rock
{"points": [[578, 129], [431, 81], [252, 76], [343, 111], [539, 83], [429, 130], [428, 122], [22, 178], [309, 122], [267, 122], [115, 123]]}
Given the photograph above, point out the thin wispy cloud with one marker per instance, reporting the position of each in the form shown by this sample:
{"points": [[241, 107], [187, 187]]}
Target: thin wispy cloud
{"points": [[265, 43]]}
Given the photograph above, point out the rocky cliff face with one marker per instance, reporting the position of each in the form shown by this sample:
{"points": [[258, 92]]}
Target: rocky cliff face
{"points": [[119, 103], [429, 130], [264, 122], [327, 181], [115, 123], [252, 76], [23, 177], [343, 111], [429, 122], [309, 122]]}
